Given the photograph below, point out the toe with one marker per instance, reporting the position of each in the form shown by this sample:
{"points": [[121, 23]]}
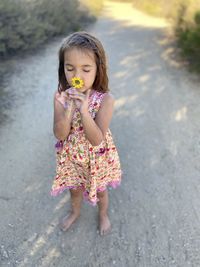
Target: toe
{"points": [[64, 223]]}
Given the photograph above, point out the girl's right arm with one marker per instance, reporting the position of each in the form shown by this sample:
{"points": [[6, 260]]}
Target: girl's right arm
{"points": [[62, 116]]}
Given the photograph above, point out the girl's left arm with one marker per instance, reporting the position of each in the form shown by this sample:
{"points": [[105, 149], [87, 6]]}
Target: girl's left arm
{"points": [[95, 130]]}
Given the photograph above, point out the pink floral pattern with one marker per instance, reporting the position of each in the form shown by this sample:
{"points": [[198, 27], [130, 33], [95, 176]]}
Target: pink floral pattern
{"points": [[81, 165]]}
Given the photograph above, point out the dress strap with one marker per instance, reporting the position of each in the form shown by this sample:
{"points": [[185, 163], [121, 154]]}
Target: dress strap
{"points": [[102, 96], [95, 103]]}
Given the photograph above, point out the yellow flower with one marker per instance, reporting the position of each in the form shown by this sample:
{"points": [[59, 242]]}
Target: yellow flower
{"points": [[77, 82]]}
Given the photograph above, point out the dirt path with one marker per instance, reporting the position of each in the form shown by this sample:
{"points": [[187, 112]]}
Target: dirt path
{"points": [[155, 212]]}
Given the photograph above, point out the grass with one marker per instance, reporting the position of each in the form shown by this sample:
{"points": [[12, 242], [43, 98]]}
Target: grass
{"points": [[184, 16]]}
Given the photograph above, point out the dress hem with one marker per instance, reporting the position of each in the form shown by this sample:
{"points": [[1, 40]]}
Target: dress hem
{"points": [[113, 184]]}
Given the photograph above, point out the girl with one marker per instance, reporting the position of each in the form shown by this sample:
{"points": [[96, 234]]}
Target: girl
{"points": [[87, 159]]}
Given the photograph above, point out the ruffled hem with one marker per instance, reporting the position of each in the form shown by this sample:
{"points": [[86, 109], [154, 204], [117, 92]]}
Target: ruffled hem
{"points": [[93, 202], [58, 191]]}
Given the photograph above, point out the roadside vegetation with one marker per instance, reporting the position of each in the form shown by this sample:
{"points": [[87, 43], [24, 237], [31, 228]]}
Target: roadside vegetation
{"points": [[184, 16], [27, 24]]}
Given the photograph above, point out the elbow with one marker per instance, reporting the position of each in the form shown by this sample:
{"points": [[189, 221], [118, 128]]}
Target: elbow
{"points": [[59, 136], [97, 141]]}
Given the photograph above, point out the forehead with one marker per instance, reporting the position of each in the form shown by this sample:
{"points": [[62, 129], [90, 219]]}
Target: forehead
{"points": [[75, 56]]}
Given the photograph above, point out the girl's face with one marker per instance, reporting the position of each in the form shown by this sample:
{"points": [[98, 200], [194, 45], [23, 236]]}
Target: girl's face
{"points": [[80, 63]]}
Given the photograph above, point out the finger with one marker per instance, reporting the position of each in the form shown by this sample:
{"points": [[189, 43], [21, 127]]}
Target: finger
{"points": [[77, 94], [70, 90], [77, 97], [65, 95]]}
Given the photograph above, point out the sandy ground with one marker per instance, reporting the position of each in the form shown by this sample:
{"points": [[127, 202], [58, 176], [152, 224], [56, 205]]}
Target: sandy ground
{"points": [[155, 212]]}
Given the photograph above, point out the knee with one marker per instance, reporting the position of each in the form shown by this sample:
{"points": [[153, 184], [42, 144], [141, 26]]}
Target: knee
{"points": [[76, 192], [102, 194]]}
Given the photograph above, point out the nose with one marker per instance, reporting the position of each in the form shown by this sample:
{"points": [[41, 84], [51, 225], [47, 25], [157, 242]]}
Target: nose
{"points": [[77, 73]]}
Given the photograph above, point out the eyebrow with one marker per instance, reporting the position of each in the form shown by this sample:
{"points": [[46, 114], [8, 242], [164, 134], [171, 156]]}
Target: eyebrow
{"points": [[86, 65]]}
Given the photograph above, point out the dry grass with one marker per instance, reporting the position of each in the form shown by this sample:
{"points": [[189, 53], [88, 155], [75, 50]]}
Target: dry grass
{"points": [[94, 6], [168, 9]]}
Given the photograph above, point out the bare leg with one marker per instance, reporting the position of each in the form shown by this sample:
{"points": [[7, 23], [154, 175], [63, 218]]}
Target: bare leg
{"points": [[76, 200], [104, 222]]}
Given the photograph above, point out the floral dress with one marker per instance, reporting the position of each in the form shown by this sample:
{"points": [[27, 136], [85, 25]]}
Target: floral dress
{"points": [[81, 165]]}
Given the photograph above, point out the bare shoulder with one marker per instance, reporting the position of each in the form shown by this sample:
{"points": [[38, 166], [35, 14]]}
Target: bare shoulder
{"points": [[108, 99], [55, 95]]}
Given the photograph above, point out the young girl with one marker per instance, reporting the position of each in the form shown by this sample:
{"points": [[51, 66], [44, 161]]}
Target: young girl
{"points": [[87, 159]]}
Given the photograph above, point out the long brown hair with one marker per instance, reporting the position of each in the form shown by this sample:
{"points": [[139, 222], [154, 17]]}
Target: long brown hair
{"points": [[84, 40]]}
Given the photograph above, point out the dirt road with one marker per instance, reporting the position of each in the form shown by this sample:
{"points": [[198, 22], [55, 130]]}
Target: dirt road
{"points": [[155, 213]]}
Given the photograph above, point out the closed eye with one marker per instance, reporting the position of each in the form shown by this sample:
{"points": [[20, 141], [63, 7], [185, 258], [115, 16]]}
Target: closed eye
{"points": [[83, 70]]}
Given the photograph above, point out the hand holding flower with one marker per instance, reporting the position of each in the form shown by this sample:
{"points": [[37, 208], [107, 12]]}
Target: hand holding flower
{"points": [[67, 103], [80, 100]]}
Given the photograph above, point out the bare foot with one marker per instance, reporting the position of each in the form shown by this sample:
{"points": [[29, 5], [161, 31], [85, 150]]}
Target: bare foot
{"points": [[104, 224], [67, 221]]}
